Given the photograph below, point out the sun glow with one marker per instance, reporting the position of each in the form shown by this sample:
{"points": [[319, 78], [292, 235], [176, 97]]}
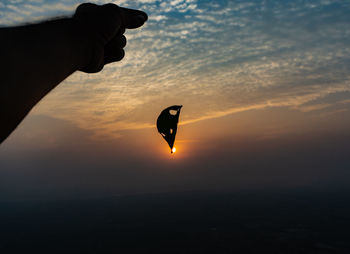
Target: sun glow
{"points": [[173, 150]]}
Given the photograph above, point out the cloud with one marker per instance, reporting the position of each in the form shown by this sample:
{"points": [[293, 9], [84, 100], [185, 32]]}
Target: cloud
{"points": [[216, 58], [17, 12], [158, 18]]}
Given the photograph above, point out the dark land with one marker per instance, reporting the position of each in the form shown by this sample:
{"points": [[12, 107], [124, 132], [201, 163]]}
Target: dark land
{"points": [[188, 222]]}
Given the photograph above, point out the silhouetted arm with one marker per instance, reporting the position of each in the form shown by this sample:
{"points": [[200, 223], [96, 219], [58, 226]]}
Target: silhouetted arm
{"points": [[36, 58]]}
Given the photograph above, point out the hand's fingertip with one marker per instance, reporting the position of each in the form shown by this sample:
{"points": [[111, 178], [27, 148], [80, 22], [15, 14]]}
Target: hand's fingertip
{"points": [[133, 18], [143, 15], [139, 21], [141, 18]]}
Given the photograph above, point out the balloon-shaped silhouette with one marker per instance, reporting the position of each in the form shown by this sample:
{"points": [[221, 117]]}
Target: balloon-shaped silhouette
{"points": [[167, 124]]}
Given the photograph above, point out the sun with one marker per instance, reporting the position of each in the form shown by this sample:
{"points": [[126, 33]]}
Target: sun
{"points": [[173, 150]]}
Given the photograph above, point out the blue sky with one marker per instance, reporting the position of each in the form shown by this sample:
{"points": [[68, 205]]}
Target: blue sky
{"points": [[245, 54]]}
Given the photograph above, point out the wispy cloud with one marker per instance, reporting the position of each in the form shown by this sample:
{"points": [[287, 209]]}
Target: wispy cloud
{"points": [[19, 12], [216, 58]]}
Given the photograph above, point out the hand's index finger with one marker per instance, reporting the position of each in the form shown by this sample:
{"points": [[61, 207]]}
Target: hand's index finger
{"points": [[132, 18]]}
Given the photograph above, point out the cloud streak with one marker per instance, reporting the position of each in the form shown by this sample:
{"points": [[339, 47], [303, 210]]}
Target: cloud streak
{"points": [[216, 58]]}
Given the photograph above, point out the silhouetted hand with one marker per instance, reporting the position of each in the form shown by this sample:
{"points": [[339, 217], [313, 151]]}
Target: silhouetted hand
{"points": [[36, 58], [104, 26]]}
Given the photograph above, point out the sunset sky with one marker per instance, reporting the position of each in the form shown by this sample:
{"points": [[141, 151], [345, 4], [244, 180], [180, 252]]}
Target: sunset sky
{"points": [[265, 89]]}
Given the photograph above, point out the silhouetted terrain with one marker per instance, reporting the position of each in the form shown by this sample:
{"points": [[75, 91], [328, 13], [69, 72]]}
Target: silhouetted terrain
{"points": [[191, 222]]}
